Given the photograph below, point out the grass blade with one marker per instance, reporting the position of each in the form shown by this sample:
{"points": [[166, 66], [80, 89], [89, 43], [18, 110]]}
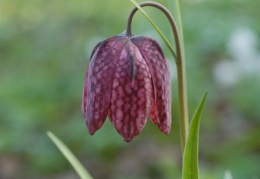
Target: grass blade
{"points": [[155, 27], [190, 157], [70, 157]]}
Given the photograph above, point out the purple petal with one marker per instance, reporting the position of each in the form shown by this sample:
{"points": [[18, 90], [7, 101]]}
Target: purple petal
{"points": [[84, 94], [131, 99], [98, 81], [159, 70]]}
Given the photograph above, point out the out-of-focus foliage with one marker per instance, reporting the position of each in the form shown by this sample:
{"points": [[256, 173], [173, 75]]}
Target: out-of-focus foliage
{"points": [[44, 52]]}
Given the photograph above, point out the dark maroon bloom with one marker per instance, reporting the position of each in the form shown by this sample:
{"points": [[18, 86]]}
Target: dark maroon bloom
{"points": [[127, 80]]}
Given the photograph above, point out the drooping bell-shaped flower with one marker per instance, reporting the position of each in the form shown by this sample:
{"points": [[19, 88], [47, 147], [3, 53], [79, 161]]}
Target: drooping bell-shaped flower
{"points": [[127, 80]]}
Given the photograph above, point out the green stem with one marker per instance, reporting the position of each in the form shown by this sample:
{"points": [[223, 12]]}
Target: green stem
{"points": [[180, 63], [182, 70], [183, 101]]}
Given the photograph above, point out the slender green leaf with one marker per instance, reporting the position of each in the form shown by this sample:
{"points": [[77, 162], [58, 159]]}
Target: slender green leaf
{"points": [[190, 169], [155, 27], [174, 5], [228, 175], [176, 10], [70, 157]]}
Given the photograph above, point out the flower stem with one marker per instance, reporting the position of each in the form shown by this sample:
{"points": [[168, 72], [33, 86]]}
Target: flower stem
{"points": [[180, 63], [182, 71]]}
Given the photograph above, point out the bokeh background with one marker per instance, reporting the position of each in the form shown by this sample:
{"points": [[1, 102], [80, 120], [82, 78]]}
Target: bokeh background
{"points": [[44, 52]]}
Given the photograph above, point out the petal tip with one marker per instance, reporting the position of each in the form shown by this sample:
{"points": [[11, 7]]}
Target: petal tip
{"points": [[91, 128], [128, 139], [165, 130], [91, 131]]}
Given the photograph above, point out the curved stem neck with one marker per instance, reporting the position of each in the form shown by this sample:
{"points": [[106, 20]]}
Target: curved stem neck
{"points": [[170, 18], [182, 89]]}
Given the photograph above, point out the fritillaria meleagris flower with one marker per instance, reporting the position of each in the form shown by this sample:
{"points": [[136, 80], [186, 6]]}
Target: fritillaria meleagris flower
{"points": [[127, 80]]}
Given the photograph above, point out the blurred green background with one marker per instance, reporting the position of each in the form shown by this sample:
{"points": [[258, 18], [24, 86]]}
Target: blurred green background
{"points": [[44, 52]]}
